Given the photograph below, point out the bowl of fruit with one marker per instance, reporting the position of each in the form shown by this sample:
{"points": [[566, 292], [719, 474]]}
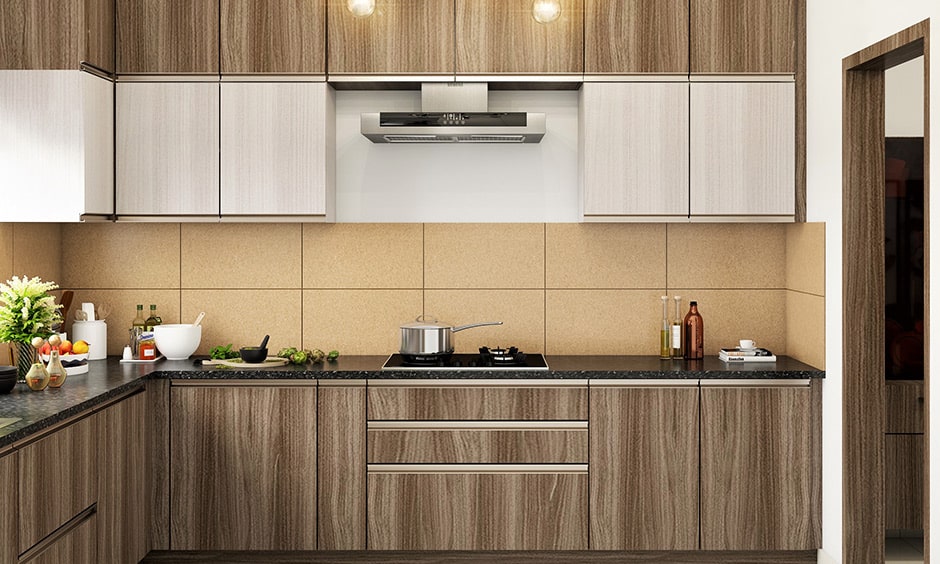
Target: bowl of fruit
{"points": [[74, 356]]}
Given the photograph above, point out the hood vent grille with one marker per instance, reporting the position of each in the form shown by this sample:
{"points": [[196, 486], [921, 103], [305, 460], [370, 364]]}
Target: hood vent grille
{"points": [[454, 138]]}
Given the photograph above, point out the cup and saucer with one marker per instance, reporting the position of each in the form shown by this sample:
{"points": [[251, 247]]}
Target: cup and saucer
{"points": [[747, 345]]}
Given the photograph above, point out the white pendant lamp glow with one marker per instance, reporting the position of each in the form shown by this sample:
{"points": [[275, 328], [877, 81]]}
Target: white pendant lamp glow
{"points": [[546, 11], [361, 8]]}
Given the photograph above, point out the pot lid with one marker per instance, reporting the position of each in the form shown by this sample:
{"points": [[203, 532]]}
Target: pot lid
{"points": [[425, 322]]}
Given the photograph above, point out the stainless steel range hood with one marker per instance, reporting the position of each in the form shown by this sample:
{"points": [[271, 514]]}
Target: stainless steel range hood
{"points": [[453, 112]]}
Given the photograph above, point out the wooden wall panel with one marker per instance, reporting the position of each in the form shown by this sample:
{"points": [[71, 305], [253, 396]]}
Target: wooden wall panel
{"points": [[157, 36], [636, 36], [743, 36], [284, 36], [41, 34], [99, 34], [341, 455]]}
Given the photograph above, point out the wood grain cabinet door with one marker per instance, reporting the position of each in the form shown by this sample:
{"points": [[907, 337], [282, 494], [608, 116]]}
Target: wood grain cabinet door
{"points": [[742, 149], [56, 34], [904, 481], [276, 148], [760, 469], [400, 37], [243, 467], [167, 37], [8, 518], [167, 151], [273, 36], [635, 149], [644, 467], [743, 36], [636, 36], [503, 37], [75, 546], [122, 481]]}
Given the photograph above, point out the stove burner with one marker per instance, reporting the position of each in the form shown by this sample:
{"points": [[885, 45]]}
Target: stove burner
{"points": [[502, 357]]}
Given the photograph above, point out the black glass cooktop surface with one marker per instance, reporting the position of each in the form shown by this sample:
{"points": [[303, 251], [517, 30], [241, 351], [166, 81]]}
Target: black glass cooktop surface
{"points": [[465, 361]]}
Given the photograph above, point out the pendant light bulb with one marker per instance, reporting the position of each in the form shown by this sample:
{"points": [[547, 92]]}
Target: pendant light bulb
{"points": [[546, 11], [361, 8]]}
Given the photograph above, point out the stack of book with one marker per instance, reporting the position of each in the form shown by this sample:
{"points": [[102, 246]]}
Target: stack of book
{"points": [[736, 354]]}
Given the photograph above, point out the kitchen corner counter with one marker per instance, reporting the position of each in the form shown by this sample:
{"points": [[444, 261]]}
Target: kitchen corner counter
{"points": [[108, 379]]}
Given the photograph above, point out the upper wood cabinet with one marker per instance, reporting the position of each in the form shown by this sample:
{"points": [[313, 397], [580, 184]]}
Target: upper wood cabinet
{"points": [[157, 36], [636, 36], [56, 34], [503, 37], [743, 36], [400, 37], [273, 36]]}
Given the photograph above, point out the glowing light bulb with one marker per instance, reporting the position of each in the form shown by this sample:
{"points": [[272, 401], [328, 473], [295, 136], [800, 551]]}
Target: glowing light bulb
{"points": [[546, 11], [361, 8]]}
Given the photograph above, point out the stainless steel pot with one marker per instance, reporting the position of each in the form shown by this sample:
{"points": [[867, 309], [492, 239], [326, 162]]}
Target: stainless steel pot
{"points": [[426, 337]]}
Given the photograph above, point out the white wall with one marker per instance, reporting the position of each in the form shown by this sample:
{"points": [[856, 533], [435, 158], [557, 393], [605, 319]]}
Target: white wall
{"points": [[836, 29], [904, 95]]}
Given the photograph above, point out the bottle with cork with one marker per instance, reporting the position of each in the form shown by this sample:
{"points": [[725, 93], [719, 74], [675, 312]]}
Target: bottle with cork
{"points": [[694, 333]]}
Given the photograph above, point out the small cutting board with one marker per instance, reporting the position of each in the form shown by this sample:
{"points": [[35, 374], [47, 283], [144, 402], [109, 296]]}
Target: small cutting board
{"points": [[269, 362]]}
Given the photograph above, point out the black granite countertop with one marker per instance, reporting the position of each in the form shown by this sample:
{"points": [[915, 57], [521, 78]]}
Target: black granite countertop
{"points": [[106, 379]]}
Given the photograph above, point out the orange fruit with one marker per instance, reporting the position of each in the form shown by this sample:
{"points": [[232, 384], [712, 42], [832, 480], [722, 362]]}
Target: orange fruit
{"points": [[79, 347]]}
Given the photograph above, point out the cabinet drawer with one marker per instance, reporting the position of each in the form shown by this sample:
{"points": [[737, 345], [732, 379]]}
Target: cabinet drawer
{"points": [[904, 406], [75, 546], [460, 400], [478, 511], [448, 442], [57, 480]]}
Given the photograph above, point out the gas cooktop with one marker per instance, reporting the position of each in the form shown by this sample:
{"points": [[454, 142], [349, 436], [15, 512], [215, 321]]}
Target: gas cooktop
{"points": [[486, 359]]}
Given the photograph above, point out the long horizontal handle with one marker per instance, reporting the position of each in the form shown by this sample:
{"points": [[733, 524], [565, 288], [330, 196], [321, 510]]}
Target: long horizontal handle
{"points": [[478, 468], [477, 425]]}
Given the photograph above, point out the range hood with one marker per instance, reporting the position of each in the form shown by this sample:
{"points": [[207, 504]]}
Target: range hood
{"points": [[453, 112]]}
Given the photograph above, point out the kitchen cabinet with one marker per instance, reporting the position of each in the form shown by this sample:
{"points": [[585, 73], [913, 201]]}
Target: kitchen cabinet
{"points": [[273, 37], [743, 36], [68, 455], [76, 545], [56, 35], [634, 149], [277, 155], [400, 37], [167, 149], [760, 466], [160, 37], [644, 465], [341, 455], [243, 465], [503, 37], [636, 37], [742, 150], [122, 481], [8, 519], [904, 406], [56, 145], [904, 454]]}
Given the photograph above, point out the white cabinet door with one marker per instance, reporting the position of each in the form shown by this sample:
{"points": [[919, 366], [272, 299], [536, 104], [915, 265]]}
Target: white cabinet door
{"points": [[742, 149], [56, 145], [167, 149], [277, 156], [634, 150]]}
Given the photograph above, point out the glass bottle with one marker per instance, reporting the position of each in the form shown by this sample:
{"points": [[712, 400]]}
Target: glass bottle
{"points": [[694, 333], [137, 328], [37, 378], [665, 350], [153, 320], [676, 331], [57, 372]]}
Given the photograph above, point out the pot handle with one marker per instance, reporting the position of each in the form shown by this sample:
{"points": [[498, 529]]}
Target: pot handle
{"points": [[462, 327]]}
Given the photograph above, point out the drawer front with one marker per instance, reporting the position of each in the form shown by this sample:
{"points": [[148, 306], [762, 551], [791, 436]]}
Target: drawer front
{"points": [[904, 406], [485, 446], [57, 480], [561, 403], [77, 546], [478, 511]]}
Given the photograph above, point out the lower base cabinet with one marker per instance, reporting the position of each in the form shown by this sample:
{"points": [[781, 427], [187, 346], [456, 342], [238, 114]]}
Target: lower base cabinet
{"points": [[77, 546], [8, 517], [477, 511], [904, 481]]}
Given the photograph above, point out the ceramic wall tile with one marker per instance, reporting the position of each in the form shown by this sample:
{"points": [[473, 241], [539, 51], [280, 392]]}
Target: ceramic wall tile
{"points": [[484, 255], [720, 256], [357, 321], [244, 317], [240, 255], [363, 255], [806, 258], [619, 322], [732, 315], [121, 255], [806, 328], [37, 250], [521, 311], [601, 255], [123, 305]]}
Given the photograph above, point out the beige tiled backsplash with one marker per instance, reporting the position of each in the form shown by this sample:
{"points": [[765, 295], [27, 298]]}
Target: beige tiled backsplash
{"points": [[558, 288]]}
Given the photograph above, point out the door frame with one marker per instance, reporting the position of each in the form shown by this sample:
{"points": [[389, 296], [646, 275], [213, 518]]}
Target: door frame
{"points": [[863, 290]]}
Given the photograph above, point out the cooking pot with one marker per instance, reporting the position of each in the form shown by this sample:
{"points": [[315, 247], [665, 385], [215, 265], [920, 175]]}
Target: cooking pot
{"points": [[426, 337]]}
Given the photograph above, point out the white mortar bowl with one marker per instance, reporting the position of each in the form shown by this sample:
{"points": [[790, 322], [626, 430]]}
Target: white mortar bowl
{"points": [[177, 341]]}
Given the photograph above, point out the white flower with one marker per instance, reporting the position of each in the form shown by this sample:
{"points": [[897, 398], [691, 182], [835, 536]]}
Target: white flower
{"points": [[25, 312]]}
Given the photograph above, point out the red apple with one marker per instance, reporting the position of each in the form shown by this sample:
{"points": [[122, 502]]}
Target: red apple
{"points": [[65, 347], [45, 349]]}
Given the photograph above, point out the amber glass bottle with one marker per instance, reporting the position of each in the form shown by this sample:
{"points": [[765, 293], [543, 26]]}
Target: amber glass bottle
{"points": [[694, 333]]}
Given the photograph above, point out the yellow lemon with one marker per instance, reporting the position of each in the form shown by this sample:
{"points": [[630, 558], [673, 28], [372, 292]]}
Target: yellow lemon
{"points": [[79, 347]]}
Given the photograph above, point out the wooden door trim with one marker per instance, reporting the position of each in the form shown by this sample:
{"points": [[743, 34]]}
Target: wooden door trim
{"points": [[863, 283]]}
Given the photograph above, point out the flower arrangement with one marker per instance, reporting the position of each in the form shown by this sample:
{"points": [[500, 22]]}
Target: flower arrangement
{"points": [[27, 310]]}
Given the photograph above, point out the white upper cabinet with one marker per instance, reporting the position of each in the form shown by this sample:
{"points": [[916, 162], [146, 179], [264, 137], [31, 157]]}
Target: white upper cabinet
{"points": [[743, 150], [56, 145], [634, 150], [167, 149], [277, 150]]}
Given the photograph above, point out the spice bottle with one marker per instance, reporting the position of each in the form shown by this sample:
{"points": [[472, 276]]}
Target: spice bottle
{"points": [[665, 350], [694, 329], [57, 372]]}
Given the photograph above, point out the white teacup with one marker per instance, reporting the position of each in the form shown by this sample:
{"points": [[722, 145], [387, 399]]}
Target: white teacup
{"points": [[746, 344]]}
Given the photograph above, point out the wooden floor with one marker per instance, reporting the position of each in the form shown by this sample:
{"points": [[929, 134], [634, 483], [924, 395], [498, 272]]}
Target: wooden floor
{"points": [[394, 557]]}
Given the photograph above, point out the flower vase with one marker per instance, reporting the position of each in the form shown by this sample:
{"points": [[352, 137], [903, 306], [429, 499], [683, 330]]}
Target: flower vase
{"points": [[25, 357]]}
